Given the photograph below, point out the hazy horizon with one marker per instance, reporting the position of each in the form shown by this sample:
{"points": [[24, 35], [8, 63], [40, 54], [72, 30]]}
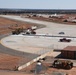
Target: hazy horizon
{"points": [[38, 4]]}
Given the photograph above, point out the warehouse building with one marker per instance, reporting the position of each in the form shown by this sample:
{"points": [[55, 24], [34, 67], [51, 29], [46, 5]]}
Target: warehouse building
{"points": [[69, 52]]}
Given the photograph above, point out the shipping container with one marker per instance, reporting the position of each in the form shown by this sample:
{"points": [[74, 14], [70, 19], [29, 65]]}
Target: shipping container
{"points": [[70, 54], [75, 54], [64, 54]]}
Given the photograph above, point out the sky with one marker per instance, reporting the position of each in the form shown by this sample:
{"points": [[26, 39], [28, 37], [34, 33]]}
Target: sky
{"points": [[38, 4]]}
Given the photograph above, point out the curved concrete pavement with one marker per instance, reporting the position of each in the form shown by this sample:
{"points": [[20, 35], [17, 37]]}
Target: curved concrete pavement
{"points": [[39, 44]]}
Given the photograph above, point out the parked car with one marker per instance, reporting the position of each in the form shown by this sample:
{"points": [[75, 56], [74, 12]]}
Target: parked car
{"points": [[64, 40], [61, 33]]}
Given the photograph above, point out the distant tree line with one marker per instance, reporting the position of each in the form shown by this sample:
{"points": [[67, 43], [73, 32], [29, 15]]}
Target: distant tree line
{"points": [[36, 11]]}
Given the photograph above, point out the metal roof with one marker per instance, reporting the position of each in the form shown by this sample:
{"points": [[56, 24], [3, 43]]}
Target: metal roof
{"points": [[70, 48]]}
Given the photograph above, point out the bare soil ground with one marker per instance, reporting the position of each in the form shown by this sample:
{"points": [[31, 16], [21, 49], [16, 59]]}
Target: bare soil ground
{"points": [[3, 72], [7, 25], [9, 62], [57, 20]]}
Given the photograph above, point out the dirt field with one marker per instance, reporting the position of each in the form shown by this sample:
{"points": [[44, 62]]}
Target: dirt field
{"points": [[57, 20], [9, 62], [6, 25]]}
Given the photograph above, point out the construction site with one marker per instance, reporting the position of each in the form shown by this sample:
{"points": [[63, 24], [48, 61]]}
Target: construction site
{"points": [[38, 44]]}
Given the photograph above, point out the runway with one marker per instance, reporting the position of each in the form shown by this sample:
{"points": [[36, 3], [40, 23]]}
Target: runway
{"points": [[39, 44]]}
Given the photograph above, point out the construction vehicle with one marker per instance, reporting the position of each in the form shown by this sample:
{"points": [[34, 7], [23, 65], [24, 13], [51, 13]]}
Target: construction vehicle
{"points": [[30, 31], [17, 31], [63, 64], [65, 40]]}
